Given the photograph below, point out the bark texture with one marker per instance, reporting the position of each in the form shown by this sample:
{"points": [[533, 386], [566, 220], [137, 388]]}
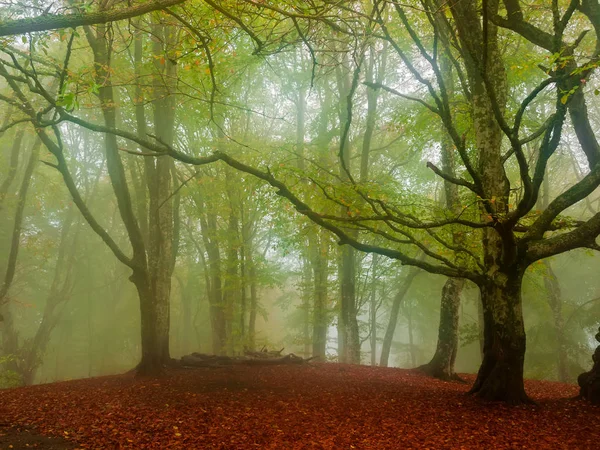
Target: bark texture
{"points": [[395, 311], [589, 382]]}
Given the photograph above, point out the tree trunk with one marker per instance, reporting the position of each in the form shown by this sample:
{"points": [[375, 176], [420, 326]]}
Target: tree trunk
{"points": [[13, 254], [13, 165], [59, 292], [306, 251], [555, 303], [186, 314], [161, 220], [149, 276], [348, 337], [10, 337], [411, 343], [500, 377], [231, 287], [442, 364], [320, 310], [481, 323], [373, 312], [391, 328], [215, 295], [307, 280], [253, 303], [153, 355]]}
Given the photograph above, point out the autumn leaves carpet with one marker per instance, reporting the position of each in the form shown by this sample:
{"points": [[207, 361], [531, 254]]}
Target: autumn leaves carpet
{"points": [[319, 406]]}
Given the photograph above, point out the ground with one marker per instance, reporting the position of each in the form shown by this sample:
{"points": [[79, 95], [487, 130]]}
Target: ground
{"points": [[313, 406]]}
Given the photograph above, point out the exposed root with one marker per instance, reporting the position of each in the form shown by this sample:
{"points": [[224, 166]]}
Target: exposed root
{"points": [[491, 391]]}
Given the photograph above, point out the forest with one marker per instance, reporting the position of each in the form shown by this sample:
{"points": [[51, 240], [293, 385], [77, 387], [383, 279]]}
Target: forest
{"points": [[283, 206]]}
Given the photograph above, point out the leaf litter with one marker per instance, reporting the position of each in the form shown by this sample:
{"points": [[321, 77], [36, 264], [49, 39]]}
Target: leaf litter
{"points": [[312, 406]]}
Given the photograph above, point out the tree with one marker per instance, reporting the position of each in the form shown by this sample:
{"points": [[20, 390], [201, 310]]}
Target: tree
{"points": [[497, 183]]}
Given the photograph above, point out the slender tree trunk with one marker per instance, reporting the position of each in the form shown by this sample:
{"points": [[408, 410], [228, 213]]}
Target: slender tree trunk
{"points": [[12, 166], [59, 292], [555, 298], [231, 287], [18, 222], [373, 311], [186, 314], [245, 228], [442, 364], [411, 344], [555, 303], [481, 323], [208, 223], [306, 264], [161, 236], [348, 336], [391, 328], [253, 306], [10, 337], [318, 242], [307, 281], [320, 310]]}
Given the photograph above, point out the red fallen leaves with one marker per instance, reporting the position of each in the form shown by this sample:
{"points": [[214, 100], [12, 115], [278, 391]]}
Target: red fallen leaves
{"points": [[318, 406]]}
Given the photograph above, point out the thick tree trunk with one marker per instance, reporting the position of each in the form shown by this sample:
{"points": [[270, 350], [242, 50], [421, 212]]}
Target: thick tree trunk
{"points": [[442, 364], [153, 350], [151, 262], [589, 382], [395, 311], [500, 377]]}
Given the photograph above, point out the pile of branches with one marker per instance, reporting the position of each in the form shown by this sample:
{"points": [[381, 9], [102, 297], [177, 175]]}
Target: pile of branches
{"points": [[263, 357]]}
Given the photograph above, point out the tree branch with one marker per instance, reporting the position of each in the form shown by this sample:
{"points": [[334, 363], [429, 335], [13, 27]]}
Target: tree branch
{"points": [[53, 22]]}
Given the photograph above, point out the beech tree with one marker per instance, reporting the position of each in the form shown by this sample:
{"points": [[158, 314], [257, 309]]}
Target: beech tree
{"points": [[493, 160]]}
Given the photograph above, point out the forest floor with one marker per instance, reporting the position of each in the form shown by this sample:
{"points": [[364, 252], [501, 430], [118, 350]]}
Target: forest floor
{"points": [[318, 406]]}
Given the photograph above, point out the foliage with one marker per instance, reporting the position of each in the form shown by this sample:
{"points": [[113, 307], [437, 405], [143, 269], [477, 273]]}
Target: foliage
{"points": [[8, 378]]}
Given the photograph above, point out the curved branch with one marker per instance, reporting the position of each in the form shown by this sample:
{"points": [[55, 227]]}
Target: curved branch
{"points": [[54, 22]]}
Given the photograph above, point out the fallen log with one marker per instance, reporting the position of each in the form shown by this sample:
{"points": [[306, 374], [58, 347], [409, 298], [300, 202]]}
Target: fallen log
{"points": [[202, 360], [263, 353]]}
